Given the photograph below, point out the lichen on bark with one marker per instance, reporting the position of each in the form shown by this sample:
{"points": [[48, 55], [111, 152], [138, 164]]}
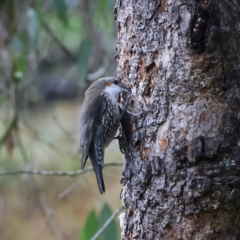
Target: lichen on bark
{"points": [[181, 177]]}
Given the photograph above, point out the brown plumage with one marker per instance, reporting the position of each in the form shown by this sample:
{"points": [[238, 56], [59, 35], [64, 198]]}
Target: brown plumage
{"points": [[100, 118]]}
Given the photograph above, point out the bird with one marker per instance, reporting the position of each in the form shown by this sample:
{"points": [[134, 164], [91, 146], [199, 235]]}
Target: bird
{"points": [[99, 122]]}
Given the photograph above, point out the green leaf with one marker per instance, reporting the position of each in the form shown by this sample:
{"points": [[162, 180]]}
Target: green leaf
{"points": [[84, 54], [110, 233], [32, 27], [19, 68], [38, 8], [2, 100], [61, 9], [20, 64], [91, 226], [102, 5]]}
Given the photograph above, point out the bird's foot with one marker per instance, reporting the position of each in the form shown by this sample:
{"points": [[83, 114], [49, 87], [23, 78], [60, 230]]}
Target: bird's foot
{"points": [[133, 114], [121, 146]]}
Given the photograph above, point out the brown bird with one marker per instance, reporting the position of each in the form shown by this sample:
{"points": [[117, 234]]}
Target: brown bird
{"points": [[100, 119]]}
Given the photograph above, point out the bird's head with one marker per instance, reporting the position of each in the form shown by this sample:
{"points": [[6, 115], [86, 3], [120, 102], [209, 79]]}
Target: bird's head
{"points": [[114, 87], [109, 85]]}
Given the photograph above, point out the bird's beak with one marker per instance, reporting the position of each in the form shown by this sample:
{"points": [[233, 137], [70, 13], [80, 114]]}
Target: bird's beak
{"points": [[125, 89]]}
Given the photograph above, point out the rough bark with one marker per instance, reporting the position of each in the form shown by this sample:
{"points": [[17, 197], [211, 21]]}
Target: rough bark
{"points": [[181, 178]]}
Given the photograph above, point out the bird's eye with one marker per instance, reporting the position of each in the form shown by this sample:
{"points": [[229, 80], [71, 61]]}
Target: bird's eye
{"points": [[116, 82], [109, 84]]}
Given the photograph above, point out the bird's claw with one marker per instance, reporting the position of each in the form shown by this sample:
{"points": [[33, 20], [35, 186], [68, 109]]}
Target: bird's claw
{"points": [[120, 144], [133, 114]]}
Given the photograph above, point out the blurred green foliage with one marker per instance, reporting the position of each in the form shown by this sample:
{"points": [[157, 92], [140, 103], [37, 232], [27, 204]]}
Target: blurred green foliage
{"points": [[111, 231], [61, 9], [56, 30], [91, 226], [94, 223]]}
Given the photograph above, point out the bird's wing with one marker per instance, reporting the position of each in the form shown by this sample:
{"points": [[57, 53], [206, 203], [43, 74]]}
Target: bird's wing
{"points": [[90, 120]]}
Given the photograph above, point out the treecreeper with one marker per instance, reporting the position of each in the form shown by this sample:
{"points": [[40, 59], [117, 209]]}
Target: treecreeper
{"points": [[99, 122]]}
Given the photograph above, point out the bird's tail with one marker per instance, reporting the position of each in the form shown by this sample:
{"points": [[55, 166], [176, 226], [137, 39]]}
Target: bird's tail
{"points": [[97, 169]]}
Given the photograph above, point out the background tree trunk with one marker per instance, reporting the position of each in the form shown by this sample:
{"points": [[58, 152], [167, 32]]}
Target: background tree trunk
{"points": [[182, 168]]}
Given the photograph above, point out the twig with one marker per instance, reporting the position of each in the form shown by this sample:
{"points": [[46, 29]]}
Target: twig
{"points": [[97, 74], [32, 182], [57, 173], [2, 207], [55, 148], [69, 189], [64, 130], [60, 196], [63, 194], [11, 126], [55, 38], [99, 232]]}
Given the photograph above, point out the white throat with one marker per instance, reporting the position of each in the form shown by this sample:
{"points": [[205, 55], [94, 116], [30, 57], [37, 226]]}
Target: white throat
{"points": [[113, 90]]}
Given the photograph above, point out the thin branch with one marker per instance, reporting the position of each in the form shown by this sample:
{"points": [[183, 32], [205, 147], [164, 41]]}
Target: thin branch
{"points": [[64, 130], [99, 232], [97, 74], [11, 126], [2, 208], [60, 196], [63, 194], [57, 173], [53, 147], [55, 38], [69, 189], [32, 182]]}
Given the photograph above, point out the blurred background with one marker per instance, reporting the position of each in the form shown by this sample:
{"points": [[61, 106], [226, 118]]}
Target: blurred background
{"points": [[50, 52]]}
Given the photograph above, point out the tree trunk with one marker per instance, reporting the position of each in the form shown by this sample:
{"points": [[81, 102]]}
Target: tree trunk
{"points": [[181, 178]]}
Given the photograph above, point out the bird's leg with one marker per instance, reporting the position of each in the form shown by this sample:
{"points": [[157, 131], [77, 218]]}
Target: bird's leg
{"points": [[125, 128], [125, 107], [133, 114], [120, 141]]}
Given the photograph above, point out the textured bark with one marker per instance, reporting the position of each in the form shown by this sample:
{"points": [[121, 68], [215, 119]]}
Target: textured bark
{"points": [[181, 178]]}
